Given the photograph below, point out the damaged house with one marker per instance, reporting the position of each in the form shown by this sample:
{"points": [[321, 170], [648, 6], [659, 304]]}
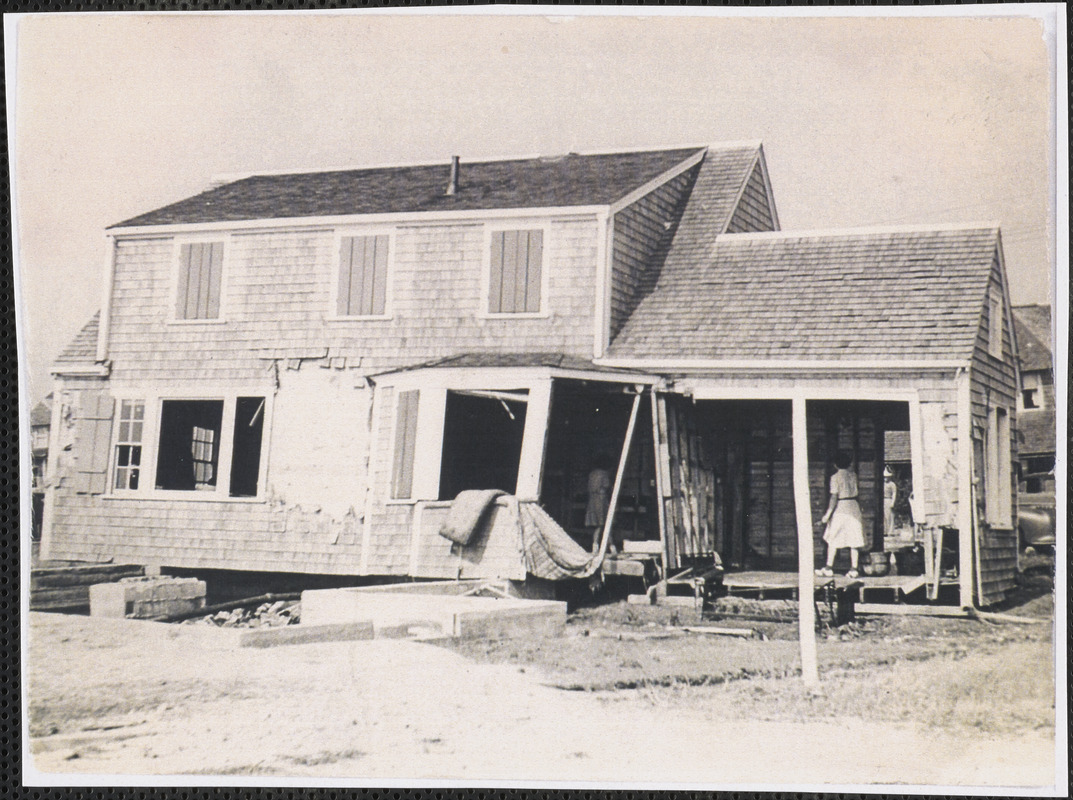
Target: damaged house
{"points": [[299, 373]]}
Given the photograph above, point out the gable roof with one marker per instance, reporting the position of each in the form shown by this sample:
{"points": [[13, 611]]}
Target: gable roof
{"points": [[1033, 329], [552, 182], [41, 415], [854, 295], [82, 348]]}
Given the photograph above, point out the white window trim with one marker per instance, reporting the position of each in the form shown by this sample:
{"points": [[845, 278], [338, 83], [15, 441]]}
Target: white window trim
{"points": [[177, 266], [154, 400], [337, 266], [486, 269], [1036, 385], [113, 463], [431, 418], [998, 471]]}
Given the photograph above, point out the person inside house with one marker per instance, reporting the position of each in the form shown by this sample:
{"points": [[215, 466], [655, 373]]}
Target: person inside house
{"points": [[599, 489], [843, 521], [890, 496]]}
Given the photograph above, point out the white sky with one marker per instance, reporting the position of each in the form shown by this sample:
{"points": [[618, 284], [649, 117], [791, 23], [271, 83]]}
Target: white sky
{"points": [[865, 121]]}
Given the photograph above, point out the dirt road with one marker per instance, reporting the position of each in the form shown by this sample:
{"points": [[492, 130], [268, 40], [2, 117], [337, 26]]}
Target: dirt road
{"points": [[138, 698]]}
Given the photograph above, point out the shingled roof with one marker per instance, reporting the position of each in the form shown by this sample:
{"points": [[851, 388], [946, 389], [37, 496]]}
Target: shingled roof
{"points": [[82, 348], [559, 181], [1033, 328], [852, 295]]}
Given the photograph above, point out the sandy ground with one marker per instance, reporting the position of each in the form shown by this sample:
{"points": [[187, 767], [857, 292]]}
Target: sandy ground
{"points": [[138, 698]]}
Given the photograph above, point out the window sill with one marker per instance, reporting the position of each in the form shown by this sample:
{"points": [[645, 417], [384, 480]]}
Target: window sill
{"points": [[519, 315], [374, 318], [196, 322], [189, 497]]}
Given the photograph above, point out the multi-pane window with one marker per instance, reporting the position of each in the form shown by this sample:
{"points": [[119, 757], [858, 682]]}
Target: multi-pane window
{"points": [[128, 449], [203, 454], [200, 275], [514, 281], [363, 265]]}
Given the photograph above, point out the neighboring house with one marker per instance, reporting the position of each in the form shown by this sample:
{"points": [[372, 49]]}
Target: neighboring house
{"points": [[297, 372], [1035, 404], [40, 423]]}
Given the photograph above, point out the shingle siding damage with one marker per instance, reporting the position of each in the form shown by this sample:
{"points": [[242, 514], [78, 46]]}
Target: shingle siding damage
{"points": [[695, 268]]}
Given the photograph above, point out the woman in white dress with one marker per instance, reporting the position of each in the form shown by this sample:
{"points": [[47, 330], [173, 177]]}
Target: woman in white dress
{"points": [[845, 526]]}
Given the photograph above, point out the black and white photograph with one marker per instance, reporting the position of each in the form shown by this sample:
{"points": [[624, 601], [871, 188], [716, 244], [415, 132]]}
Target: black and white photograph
{"points": [[543, 397]]}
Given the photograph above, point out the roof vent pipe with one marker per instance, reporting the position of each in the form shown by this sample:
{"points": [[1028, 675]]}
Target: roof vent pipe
{"points": [[452, 181]]}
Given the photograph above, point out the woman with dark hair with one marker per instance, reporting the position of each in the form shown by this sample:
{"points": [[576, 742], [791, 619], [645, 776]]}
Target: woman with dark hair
{"points": [[845, 526]]}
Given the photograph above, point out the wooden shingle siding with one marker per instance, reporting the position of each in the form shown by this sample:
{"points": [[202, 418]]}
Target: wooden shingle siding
{"points": [[277, 296], [252, 536], [993, 383], [754, 209], [497, 555], [641, 229]]}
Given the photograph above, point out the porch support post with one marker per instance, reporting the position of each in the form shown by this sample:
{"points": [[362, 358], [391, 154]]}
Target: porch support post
{"points": [[534, 441], [965, 493], [805, 558], [661, 483], [610, 520]]}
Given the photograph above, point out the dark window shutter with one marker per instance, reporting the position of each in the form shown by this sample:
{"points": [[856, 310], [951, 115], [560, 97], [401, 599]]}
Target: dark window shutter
{"points": [[402, 472], [93, 442]]}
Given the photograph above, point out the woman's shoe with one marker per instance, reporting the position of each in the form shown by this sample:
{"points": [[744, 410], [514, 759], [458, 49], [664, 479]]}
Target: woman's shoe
{"points": [[852, 574], [826, 572]]}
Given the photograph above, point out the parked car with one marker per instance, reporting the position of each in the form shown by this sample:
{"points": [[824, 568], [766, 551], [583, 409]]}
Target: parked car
{"points": [[1036, 526]]}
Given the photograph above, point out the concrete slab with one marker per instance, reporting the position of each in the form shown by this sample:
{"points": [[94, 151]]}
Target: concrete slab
{"points": [[307, 634], [424, 615]]}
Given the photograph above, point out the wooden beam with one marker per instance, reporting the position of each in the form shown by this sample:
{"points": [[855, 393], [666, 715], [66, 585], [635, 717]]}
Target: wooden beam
{"points": [[661, 512], [909, 610], [510, 397], [964, 464], [609, 522], [805, 558], [534, 441]]}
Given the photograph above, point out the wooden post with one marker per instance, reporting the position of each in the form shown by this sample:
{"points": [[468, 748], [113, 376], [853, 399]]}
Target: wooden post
{"points": [[661, 512], [965, 509], [805, 557], [609, 521]]}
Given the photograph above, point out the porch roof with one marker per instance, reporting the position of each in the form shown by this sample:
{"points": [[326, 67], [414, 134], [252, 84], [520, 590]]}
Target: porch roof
{"points": [[865, 295], [553, 361]]}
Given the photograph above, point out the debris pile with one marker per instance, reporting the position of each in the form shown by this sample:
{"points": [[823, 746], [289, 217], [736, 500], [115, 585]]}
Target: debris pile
{"points": [[266, 615]]}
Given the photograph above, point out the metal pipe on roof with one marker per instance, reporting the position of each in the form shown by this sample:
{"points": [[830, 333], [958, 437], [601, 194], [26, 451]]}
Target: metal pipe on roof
{"points": [[452, 180]]}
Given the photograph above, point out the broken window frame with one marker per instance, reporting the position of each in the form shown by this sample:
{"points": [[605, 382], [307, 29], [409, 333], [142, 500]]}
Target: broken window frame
{"points": [[431, 419], [341, 235], [154, 403], [490, 234], [181, 268]]}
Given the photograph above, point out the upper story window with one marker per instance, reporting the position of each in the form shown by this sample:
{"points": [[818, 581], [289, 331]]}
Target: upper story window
{"points": [[516, 272], [994, 345], [200, 280], [363, 276]]}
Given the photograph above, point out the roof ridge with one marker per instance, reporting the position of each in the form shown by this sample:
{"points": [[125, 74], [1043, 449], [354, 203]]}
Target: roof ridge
{"points": [[867, 230], [221, 178]]}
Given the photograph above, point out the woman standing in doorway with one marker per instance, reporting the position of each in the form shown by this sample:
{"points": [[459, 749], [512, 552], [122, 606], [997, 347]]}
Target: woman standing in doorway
{"points": [[599, 489], [845, 526]]}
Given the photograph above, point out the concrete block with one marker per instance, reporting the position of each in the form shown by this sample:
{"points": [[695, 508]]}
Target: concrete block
{"points": [[146, 597]]}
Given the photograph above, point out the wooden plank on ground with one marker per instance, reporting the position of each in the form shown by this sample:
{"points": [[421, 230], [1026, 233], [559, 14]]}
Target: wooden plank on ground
{"points": [[910, 610]]}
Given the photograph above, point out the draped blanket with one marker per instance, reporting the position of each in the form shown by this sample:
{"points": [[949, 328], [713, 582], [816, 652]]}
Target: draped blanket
{"points": [[549, 551]]}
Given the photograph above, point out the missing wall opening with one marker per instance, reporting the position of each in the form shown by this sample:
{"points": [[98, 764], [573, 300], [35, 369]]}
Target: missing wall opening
{"points": [[482, 441], [246, 454], [189, 452], [191, 435]]}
